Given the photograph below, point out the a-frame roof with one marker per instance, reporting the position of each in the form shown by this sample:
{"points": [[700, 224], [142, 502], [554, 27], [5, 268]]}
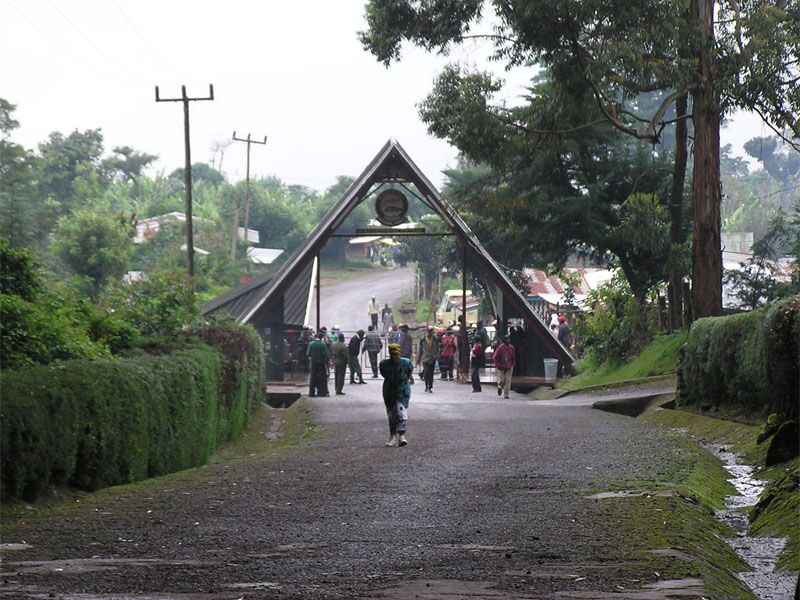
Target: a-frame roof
{"points": [[248, 302]]}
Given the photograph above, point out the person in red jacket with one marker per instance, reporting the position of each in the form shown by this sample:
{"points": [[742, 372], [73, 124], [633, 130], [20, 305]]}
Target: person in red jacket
{"points": [[504, 359]]}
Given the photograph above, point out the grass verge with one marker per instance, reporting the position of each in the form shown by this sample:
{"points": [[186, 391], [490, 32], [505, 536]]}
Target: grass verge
{"points": [[270, 430], [660, 357]]}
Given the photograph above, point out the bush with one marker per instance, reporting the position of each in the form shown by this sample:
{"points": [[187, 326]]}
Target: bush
{"points": [[243, 372], [744, 363], [91, 424], [160, 304], [618, 327]]}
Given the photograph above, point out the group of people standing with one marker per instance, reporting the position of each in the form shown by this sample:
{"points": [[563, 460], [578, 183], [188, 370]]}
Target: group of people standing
{"points": [[328, 349]]}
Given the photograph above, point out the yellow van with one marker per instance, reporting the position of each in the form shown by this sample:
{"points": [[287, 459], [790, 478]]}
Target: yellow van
{"points": [[451, 306]]}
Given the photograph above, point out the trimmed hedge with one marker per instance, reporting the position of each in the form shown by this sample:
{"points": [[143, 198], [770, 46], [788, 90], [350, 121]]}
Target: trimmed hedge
{"points": [[91, 424], [747, 363]]}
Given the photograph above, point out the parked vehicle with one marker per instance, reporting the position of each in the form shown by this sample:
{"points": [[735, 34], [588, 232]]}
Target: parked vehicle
{"points": [[450, 308]]}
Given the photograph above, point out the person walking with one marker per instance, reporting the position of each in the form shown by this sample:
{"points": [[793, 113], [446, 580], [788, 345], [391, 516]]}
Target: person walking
{"points": [[504, 359], [448, 354], [340, 356], [387, 318], [318, 355], [373, 310], [426, 356], [354, 348], [397, 380], [564, 332], [482, 336], [406, 342], [475, 358], [373, 346]]}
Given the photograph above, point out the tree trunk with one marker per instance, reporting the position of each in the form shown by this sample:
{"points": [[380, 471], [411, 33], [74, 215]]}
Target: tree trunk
{"points": [[706, 185], [675, 288]]}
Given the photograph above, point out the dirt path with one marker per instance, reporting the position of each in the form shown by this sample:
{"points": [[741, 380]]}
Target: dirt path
{"points": [[491, 499]]}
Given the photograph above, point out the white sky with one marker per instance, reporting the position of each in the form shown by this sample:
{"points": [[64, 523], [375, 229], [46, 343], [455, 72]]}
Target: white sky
{"points": [[291, 70]]}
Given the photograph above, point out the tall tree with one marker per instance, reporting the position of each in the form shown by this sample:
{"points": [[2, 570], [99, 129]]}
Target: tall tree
{"points": [[127, 162], [18, 223], [70, 168], [746, 58], [94, 246]]}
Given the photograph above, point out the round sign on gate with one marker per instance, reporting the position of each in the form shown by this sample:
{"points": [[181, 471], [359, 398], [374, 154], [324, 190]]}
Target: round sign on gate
{"points": [[391, 207]]}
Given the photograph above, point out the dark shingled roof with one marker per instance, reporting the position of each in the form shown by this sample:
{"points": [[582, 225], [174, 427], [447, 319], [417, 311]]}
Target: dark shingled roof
{"points": [[293, 279]]}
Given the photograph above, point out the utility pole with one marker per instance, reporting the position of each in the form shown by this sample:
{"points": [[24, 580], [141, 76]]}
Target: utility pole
{"points": [[187, 171], [248, 141]]}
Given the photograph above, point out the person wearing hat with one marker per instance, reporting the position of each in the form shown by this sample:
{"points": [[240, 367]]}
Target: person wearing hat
{"points": [[564, 332], [354, 348], [428, 352], [318, 355], [397, 380], [504, 359], [340, 356]]}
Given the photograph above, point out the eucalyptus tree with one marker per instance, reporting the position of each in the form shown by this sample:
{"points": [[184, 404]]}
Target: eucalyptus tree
{"points": [[735, 54]]}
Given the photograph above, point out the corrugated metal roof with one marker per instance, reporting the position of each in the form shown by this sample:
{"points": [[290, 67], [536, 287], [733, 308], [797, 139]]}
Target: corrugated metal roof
{"points": [[392, 163]]}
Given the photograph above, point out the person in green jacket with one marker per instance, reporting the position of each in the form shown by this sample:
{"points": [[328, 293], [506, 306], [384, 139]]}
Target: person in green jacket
{"points": [[318, 355], [340, 356], [354, 347], [397, 379]]}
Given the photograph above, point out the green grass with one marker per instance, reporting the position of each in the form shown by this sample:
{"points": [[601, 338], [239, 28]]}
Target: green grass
{"points": [[425, 313], [660, 357]]}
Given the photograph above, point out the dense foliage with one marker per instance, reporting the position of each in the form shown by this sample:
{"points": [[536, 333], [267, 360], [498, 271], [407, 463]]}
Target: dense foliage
{"points": [[43, 319], [90, 424], [602, 58], [745, 363]]}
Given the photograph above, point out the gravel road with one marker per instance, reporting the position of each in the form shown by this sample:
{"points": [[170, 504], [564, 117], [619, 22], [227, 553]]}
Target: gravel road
{"points": [[489, 500]]}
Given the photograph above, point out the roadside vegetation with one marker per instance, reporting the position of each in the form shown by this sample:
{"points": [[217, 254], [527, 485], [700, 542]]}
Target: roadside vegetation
{"points": [[269, 430], [658, 358]]}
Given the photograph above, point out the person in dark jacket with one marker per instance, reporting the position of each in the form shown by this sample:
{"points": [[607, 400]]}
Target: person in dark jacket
{"points": [[354, 348], [373, 344], [564, 332], [475, 357], [406, 343], [426, 356], [340, 357], [318, 355]]}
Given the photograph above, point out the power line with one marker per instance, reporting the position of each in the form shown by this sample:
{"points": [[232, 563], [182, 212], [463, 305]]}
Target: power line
{"points": [[93, 45], [144, 41], [64, 50]]}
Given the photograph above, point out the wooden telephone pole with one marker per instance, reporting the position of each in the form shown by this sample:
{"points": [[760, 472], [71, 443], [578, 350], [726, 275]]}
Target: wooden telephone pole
{"points": [[187, 171], [248, 141]]}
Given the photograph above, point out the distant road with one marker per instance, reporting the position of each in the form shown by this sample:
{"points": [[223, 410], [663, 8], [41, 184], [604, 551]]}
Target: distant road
{"points": [[345, 303]]}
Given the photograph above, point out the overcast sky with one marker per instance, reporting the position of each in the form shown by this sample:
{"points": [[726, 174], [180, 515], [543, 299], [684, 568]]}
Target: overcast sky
{"points": [[291, 70]]}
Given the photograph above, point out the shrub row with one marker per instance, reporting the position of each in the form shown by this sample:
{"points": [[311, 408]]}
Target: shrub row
{"points": [[747, 363], [91, 424]]}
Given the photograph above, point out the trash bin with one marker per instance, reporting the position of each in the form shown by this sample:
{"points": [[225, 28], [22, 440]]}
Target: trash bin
{"points": [[550, 369]]}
